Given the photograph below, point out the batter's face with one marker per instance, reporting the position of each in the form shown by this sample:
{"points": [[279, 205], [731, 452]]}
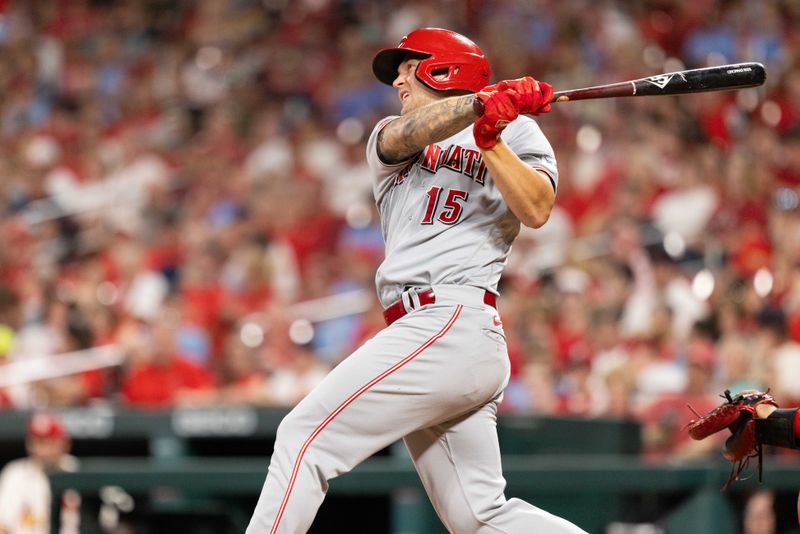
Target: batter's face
{"points": [[413, 93]]}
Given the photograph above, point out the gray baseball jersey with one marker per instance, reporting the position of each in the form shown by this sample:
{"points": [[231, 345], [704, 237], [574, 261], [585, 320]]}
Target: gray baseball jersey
{"points": [[444, 221]]}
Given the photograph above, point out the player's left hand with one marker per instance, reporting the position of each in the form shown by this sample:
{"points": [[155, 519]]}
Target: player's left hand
{"points": [[498, 109], [533, 96]]}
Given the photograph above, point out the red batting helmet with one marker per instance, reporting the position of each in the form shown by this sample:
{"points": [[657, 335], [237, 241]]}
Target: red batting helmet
{"points": [[451, 61]]}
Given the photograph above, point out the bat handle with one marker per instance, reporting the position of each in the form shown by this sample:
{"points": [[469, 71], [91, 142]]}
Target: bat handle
{"points": [[601, 91]]}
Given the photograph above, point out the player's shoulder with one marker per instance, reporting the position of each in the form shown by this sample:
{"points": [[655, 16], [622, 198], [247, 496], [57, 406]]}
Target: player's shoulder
{"points": [[373, 136], [524, 122], [18, 467], [524, 129], [381, 124], [21, 463]]}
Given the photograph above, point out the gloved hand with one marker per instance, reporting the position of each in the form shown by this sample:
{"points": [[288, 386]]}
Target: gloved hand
{"points": [[737, 414], [534, 96], [496, 109]]}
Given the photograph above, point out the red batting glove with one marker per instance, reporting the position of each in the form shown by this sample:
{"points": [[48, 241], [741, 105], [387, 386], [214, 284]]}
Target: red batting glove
{"points": [[495, 109], [534, 96]]}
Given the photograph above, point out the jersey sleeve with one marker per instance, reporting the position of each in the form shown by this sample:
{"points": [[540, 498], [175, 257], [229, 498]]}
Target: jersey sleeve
{"points": [[526, 139], [382, 173]]}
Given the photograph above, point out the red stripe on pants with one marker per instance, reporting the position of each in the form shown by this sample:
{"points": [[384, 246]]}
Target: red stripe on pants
{"points": [[348, 401]]}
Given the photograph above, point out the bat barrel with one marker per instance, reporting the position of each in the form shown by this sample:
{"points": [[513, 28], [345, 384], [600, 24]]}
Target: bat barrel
{"points": [[720, 78]]}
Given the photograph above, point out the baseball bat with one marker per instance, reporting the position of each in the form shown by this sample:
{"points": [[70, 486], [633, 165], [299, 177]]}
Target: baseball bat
{"points": [[721, 78]]}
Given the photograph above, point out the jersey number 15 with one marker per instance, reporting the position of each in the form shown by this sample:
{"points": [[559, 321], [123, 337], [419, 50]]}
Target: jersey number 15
{"points": [[452, 208]]}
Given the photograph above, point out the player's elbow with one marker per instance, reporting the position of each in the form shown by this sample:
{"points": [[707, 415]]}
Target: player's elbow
{"points": [[536, 212], [539, 203], [535, 217]]}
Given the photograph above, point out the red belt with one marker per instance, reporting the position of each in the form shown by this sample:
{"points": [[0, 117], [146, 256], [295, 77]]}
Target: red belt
{"points": [[397, 310]]}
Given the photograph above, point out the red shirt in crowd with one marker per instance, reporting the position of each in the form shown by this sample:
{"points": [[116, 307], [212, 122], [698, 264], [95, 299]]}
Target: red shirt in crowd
{"points": [[157, 385]]}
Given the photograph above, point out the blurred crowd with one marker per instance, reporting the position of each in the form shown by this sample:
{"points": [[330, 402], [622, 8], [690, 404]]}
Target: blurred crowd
{"points": [[185, 181]]}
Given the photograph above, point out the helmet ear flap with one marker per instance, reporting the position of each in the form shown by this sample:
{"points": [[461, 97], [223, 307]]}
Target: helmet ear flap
{"points": [[452, 73], [445, 73], [434, 73]]}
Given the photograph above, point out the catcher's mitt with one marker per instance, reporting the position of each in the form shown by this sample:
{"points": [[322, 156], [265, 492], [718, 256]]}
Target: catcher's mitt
{"points": [[738, 415]]}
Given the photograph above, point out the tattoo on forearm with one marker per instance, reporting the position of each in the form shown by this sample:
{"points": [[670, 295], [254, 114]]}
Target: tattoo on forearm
{"points": [[434, 122]]}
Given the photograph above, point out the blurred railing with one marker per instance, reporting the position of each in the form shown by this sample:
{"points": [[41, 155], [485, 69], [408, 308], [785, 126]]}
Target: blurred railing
{"points": [[197, 461]]}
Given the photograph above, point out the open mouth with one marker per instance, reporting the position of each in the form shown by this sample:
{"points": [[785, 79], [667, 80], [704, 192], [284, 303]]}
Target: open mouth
{"points": [[403, 96]]}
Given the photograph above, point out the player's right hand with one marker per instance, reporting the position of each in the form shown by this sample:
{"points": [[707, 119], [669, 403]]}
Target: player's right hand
{"points": [[533, 96], [497, 109]]}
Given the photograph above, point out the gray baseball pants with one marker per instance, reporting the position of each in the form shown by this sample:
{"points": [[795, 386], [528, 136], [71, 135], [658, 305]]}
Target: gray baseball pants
{"points": [[433, 378]]}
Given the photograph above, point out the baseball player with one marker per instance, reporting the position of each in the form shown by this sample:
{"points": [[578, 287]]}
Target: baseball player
{"points": [[25, 494], [454, 175]]}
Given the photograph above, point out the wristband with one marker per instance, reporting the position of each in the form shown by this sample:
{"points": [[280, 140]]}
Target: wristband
{"points": [[477, 106], [778, 428]]}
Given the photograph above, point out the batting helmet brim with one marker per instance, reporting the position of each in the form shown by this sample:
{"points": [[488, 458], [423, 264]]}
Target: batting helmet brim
{"points": [[386, 62]]}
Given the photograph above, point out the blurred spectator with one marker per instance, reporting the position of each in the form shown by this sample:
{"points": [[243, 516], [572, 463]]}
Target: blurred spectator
{"points": [[574, 392], [141, 290], [533, 389], [659, 287], [73, 389], [736, 367], [611, 379], [25, 495], [656, 367], [242, 379], [781, 355], [570, 327], [246, 278], [665, 417], [158, 375], [289, 383]]}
